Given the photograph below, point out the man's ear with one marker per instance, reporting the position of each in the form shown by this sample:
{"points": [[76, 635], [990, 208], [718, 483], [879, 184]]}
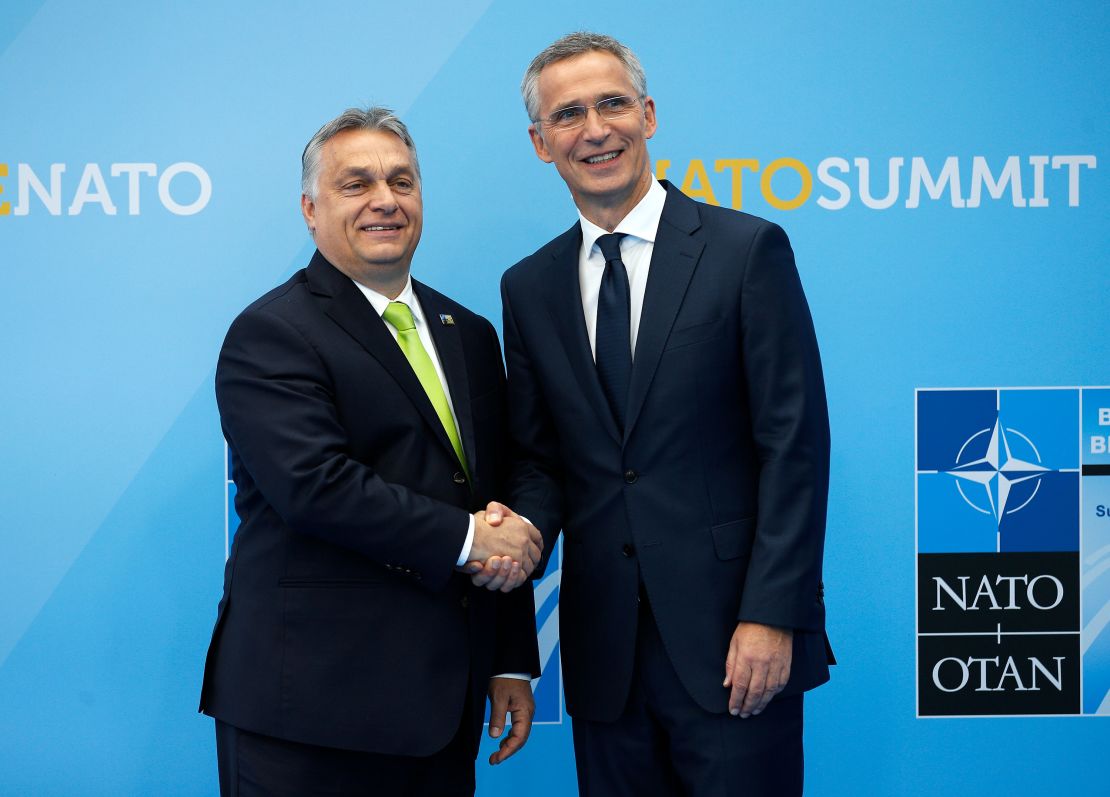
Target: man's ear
{"points": [[308, 210], [650, 123], [539, 144]]}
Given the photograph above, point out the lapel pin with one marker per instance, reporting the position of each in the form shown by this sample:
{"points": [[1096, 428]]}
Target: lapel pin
{"points": [[446, 319]]}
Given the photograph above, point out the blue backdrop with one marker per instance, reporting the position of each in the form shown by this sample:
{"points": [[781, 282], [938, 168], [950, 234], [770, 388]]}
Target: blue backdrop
{"points": [[941, 170]]}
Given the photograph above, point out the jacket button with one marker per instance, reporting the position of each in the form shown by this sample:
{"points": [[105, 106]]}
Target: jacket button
{"points": [[459, 477], [627, 550], [465, 601], [630, 477]]}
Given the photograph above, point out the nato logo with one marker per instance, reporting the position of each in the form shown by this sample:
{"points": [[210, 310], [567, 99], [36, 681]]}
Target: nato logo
{"points": [[998, 470], [548, 688], [998, 544]]}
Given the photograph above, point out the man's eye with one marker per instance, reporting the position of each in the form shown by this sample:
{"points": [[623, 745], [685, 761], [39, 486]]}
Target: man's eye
{"points": [[615, 104], [567, 114], [403, 185], [352, 186]]}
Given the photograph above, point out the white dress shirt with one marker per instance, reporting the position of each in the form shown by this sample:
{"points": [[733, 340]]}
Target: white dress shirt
{"points": [[640, 225]]}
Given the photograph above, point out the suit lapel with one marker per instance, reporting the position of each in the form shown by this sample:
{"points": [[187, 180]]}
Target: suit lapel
{"points": [[448, 343], [348, 308], [673, 259], [565, 305]]}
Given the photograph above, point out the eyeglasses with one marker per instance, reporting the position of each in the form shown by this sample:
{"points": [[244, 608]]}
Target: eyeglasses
{"points": [[575, 115]]}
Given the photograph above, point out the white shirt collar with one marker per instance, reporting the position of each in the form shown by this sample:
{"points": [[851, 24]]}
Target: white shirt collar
{"points": [[381, 301], [641, 222]]}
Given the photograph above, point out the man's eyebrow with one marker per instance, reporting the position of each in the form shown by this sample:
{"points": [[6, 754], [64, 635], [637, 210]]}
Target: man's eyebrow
{"points": [[400, 170], [603, 95], [353, 171]]}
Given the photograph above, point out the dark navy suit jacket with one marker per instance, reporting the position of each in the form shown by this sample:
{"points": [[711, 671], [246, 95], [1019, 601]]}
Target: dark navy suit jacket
{"points": [[343, 622], [714, 498]]}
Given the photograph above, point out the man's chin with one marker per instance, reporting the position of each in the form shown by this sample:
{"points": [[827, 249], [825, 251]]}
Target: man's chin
{"points": [[603, 193], [383, 257]]}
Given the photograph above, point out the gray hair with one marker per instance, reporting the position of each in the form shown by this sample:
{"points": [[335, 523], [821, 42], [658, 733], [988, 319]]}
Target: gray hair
{"points": [[578, 43], [373, 118]]}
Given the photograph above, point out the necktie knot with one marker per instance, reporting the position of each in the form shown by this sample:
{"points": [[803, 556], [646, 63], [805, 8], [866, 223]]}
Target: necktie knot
{"points": [[610, 246], [399, 316]]}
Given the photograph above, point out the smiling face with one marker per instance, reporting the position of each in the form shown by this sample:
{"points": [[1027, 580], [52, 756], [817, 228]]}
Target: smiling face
{"points": [[604, 162], [367, 214]]}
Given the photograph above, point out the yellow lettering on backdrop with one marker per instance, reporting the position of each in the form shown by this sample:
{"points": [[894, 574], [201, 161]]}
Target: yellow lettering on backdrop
{"points": [[697, 172], [5, 207], [737, 166], [803, 192]]}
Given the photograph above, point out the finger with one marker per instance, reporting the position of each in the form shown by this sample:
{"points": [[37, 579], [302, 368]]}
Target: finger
{"points": [[471, 568], [527, 561], [775, 684], [514, 578], [518, 735], [509, 745], [756, 688], [768, 693], [498, 707], [771, 687], [534, 555], [488, 573], [740, 678], [521, 578], [504, 568]]}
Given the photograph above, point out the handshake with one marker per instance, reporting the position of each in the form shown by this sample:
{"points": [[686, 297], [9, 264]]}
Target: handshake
{"points": [[505, 551]]}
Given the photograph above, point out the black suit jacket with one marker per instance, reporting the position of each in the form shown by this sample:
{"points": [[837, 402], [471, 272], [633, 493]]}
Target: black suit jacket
{"points": [[343, 622], [714, 497]]}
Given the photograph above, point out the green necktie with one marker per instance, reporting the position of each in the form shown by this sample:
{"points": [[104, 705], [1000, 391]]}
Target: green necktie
{"points": [[399, 316]]}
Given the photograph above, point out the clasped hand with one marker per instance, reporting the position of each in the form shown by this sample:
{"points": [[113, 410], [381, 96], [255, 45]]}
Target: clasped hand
{"points": [[506, 549]]}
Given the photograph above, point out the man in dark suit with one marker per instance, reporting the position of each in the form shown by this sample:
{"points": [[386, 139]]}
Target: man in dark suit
{"points": [[667, 403], [364, 414]]}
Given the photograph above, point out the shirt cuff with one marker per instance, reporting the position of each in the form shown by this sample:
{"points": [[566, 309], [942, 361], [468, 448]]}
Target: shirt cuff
{"points": [[464, 555], [516, 676]]}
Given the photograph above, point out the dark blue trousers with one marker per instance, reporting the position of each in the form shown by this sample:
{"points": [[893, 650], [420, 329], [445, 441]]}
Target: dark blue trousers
{"points": [[666, 745], [253, 765]]}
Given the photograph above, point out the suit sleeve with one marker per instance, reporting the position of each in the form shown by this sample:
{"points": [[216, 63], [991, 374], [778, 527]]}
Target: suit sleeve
{"points": [[790, 426], [278, 412], [516, 649], [535, 484]]}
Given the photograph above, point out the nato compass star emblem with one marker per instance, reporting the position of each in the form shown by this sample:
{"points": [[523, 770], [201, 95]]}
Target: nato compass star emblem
{"points": [[1000, 482]]}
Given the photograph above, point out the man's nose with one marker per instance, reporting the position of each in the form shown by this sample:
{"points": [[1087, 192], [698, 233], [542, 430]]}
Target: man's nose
{"points": [[381, 198], [596, 125]]}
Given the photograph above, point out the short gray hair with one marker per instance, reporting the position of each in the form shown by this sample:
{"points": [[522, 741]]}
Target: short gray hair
{"points": [[578, 43], [373, 118]]}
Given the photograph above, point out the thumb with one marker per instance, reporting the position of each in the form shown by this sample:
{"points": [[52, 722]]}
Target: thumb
{"points": [[495, 511], [498, 707]]}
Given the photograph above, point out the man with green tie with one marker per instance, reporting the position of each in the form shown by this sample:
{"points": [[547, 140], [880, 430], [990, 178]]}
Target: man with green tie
{"points": [[364, 412]]}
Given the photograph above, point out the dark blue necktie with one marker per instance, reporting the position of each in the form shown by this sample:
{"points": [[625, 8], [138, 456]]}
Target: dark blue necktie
{"points": [[612, 341]]}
